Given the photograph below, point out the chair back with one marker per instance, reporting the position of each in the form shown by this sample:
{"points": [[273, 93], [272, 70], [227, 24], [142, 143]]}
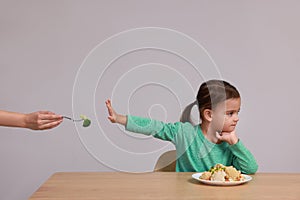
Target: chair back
{"points": [[166, 162]]}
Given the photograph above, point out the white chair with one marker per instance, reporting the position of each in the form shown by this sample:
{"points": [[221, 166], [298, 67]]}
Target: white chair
{"points": [[166, 162]]}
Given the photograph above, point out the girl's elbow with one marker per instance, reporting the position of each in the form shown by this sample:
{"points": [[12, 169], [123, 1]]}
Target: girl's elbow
{"points": [[251, 169]]}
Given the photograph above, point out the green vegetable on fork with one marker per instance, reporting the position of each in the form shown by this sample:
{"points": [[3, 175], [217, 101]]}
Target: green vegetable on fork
{"points": [[86, 121]]}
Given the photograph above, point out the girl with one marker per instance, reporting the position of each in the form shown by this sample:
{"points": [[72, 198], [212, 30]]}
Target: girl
{"points": [[199, 147]]}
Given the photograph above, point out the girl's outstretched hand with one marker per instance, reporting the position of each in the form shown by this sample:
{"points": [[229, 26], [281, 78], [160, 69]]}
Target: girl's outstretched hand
{"points": [[229, 137], [113, 116]]}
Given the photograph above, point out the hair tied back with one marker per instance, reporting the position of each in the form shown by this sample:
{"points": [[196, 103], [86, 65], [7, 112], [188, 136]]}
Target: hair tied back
{"points": [[186, 114]]}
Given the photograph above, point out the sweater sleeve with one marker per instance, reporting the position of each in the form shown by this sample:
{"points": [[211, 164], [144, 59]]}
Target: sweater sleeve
{"points": [[243, 159], [158, 129]]}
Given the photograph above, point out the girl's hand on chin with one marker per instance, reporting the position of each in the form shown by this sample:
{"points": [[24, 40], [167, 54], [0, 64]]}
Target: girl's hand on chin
{"points": [[229, 137]]}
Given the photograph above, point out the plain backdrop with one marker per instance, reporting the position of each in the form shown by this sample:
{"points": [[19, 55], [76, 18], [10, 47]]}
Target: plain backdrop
{"points": [[44, 45]]}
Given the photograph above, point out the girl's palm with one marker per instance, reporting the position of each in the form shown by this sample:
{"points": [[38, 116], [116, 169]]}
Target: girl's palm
{"points": [[112, 114]]}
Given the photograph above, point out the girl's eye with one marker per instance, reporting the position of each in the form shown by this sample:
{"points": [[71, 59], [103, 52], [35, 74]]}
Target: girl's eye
{"points": [[230, 114]]}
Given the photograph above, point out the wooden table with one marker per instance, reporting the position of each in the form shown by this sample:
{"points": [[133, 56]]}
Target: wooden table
{"points": [[162, 185]]}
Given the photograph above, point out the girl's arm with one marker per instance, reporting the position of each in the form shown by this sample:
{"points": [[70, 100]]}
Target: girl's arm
{"points": [[40, 120], [243, 158], [158, 129]]}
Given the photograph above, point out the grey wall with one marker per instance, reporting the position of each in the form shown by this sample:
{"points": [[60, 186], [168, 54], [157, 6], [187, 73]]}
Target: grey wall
{"points": [[255, 45]]}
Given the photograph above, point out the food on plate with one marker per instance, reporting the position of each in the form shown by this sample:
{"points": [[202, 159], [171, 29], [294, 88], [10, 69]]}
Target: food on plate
{"points": [[222, 173], [218, 176], [205, 175]]}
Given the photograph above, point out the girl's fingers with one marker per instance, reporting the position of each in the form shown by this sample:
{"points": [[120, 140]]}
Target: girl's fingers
{"points": [[111, 111], [108, 102], [218, 135], [108, 105], [229, 137]]}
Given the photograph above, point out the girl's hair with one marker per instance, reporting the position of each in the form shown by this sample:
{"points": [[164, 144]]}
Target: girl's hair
{"points": [[210, 94]]}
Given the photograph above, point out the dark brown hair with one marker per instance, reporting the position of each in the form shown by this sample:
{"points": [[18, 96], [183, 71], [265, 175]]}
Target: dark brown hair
{"points": [[210, 94]]}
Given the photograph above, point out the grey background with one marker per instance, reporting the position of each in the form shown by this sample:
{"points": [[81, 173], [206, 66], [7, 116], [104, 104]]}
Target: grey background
{"points": [[255, 45]]}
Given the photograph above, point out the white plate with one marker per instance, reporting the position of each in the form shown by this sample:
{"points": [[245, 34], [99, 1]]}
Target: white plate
{"points": [[222, 183]]}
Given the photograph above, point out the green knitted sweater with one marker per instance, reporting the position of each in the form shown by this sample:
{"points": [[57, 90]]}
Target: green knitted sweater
{"points": [[194, 152]]}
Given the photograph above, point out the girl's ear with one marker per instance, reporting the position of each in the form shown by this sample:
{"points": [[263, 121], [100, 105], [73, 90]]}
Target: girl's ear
{"points": [[207, 114]]}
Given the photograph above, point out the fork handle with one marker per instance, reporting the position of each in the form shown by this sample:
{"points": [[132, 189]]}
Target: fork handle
{"points": [[74, 120], [67, 117]]}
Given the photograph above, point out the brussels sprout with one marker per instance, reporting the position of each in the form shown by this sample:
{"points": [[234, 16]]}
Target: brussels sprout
{"points": [[86, 121]]}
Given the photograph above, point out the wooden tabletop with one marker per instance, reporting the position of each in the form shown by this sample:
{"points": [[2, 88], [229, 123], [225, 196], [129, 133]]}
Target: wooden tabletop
{"points": [[162, 185]]}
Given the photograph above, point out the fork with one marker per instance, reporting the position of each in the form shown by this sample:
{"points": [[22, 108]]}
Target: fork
{"points": [[74, 120]]}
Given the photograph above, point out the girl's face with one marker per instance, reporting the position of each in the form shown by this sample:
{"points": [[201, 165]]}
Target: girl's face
{"points": [[225, 115]]}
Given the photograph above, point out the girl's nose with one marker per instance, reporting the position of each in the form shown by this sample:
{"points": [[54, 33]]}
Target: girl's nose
{"points": [[236, 119]]}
